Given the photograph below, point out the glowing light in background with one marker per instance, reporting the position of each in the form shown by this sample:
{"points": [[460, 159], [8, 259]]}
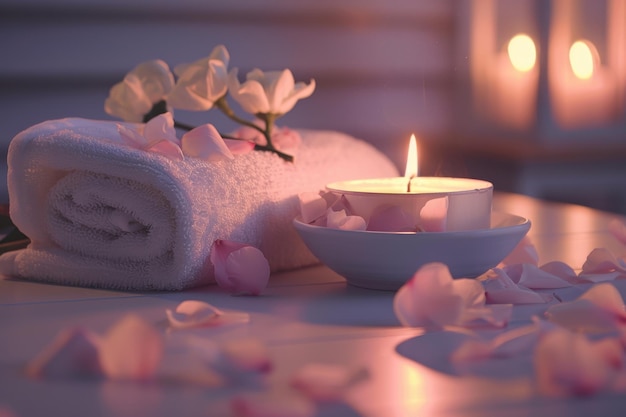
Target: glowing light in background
{"points": [[522, 52], [582, 57]]}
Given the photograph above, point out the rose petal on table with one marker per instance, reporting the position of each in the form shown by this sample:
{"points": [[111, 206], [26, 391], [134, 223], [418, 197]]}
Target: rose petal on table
{"points": [[608, 297], [391, 219], [568, 364], [501, 289], [327, 382], [434, 215], [524, 252], [339, 220], [272, 405], [247, 355], [599, 309], [73, 352], [600, 261], [433, 298], [505, 345], [240, 268], [132, 349], [618, 230], [537, 278], [196, 314], [561, 270], [312, 206]]}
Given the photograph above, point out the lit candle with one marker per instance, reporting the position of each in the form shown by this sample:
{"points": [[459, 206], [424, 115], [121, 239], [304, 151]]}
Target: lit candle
{"points": [[515, 78], [585, 93], [434, 203]]}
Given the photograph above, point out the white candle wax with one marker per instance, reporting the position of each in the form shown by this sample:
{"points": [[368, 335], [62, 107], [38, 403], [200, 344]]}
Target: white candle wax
{"points": [[468, 200]]}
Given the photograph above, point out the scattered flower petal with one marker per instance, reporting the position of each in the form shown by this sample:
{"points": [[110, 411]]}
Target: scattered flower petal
{"points": [[131, 349], [74, 352], [283, 138], [167, 148], [561, 270], [533, 277], [272, 92], [501, 289], [244, 356], [339, 220], [567, 364], [323, 382], [391, 219], [312, 206], [239, 268], [600, 309], [601, 261], [434, 215], [204, 142], [239, 147], [272, 405], [433, 298], [193, 314]]}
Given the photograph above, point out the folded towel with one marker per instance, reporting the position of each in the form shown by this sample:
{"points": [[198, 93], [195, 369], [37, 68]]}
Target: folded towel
{"points": [[103, 214]]}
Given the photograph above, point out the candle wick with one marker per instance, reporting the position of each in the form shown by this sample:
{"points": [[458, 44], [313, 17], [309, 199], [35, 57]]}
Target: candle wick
{"points": [[408, 186]]}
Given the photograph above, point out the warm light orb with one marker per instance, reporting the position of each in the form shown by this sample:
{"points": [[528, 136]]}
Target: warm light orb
{"points": [[581, 59], [522, 52], [411, 160]]}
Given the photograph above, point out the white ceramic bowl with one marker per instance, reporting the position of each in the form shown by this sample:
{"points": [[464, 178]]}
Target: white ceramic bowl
{"points": [[385, 261]]}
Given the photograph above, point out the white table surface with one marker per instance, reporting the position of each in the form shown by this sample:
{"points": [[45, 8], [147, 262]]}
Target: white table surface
{"points": [[304, 316]]}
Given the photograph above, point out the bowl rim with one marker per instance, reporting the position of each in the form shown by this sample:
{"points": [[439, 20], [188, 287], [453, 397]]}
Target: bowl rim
{"points": [[520, 222]]}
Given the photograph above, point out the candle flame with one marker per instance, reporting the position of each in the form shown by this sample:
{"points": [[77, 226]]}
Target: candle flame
{"points": [[411, 170], [522, 52], [581, 59]]}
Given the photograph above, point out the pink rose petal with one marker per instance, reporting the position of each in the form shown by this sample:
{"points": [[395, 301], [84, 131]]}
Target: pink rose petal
{"points": [[339, 220], [131, 137], [239, 147], [204, 142], [131, 349], [245, 356], [501, 289], [600, 309], [167, 148], [312, 206], [561, 270], [391, 219], [272, 405], [74, 352], [432, 298], [324, 382], [196, 314], [601, 260], [524, 253], [567, 364], [239, 268], [508, 344], [434, 215], [533, 277]]}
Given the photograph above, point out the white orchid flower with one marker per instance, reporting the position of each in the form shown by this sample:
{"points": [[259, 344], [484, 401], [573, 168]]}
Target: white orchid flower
{"points": [[201, 83], [272, 92], [147, 84]]}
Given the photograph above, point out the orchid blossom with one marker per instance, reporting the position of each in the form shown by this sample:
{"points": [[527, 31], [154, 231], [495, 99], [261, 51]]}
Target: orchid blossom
{"points": [[142, 88], [201, 83]]}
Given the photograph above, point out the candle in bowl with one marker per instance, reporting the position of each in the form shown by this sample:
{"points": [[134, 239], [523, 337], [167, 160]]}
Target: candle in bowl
{"points": [[433, 203]]}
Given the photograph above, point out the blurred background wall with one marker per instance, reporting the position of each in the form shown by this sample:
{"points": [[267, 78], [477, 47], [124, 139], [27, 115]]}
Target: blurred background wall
{"points": [[384, 70]]}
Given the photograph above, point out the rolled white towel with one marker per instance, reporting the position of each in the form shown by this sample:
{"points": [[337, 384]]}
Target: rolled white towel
{"points": [[103, 214]]}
